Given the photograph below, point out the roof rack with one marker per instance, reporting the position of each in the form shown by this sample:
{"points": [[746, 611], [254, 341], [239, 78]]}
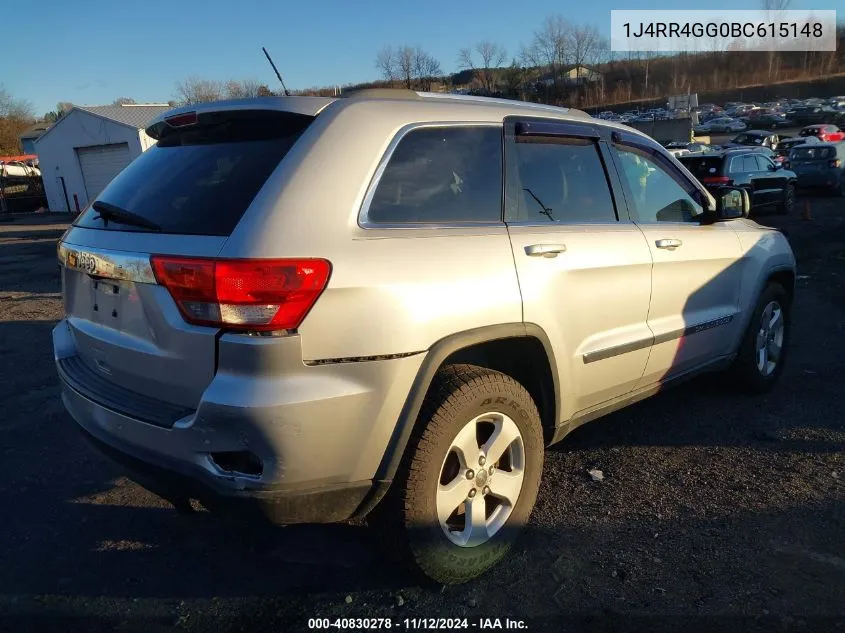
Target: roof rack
{"points": [[382, 93]]}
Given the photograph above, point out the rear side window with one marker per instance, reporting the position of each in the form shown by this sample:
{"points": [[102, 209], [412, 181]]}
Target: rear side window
{"points": [[441, 175], [557, 179], [201, 179]]}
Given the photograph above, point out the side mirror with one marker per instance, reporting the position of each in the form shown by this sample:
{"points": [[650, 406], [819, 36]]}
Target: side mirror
{"points": [[732, 203]]}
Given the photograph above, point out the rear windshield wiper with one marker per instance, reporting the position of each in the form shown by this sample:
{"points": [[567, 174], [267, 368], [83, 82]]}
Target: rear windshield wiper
{"points": [[108, 212]]}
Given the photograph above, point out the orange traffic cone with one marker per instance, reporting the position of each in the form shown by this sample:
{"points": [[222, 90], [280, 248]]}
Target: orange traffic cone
{"points": [[807, 214]]}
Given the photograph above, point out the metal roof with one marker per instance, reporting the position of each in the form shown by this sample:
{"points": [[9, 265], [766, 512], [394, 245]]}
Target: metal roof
{"points": [[136, 116]]}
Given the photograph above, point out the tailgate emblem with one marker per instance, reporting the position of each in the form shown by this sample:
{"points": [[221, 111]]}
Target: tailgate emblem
{"points": [[87, 263]]}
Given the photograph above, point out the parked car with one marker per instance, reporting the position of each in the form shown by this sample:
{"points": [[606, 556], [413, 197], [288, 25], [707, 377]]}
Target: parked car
{"points": [[771, 120], [825, 133], [753, 138], [808, 115], [770, 186], [786, 145], [820, 166], [301, 352], [720, 124], [679, 148]]}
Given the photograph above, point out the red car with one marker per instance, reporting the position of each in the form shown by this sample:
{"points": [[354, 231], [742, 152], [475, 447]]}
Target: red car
{"points": [[825, 132]]}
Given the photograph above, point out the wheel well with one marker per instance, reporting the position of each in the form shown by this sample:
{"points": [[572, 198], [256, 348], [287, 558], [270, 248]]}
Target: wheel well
{"points": [[522, 358], [786, 278]]}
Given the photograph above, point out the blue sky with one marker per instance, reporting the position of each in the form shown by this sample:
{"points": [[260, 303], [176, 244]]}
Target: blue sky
{"points": [[92, 51]]}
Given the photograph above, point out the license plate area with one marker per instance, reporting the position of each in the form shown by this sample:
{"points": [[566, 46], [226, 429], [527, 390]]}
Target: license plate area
{"points": [[108, 298]]}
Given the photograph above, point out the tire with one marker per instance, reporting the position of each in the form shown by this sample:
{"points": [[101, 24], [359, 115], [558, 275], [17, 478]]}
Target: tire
{"points": [[788, 202], [746, 372], [408, 517]]}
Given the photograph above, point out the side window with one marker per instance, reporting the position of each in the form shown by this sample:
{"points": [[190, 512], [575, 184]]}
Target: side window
{"points": [[658, 195], [557, 179], [441, 175], [737, 166], [749, 163], [763, 163]]}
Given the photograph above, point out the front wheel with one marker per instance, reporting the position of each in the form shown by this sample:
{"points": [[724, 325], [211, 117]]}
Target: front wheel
{"points": [[762, 352], [470, 475]]}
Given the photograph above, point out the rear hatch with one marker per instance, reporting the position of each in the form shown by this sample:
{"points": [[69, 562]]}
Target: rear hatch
{"points": [[708, 169], [182, 197], [813, 160]]}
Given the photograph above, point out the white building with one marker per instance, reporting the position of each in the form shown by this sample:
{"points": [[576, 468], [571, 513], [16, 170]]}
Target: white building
{"points": [[87, 147]]}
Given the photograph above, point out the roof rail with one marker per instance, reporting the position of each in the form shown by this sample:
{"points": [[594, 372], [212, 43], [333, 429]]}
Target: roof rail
{"points": [[382, 93], [500, 101]]}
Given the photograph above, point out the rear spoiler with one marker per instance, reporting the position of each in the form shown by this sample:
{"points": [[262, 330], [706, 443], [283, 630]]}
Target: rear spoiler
{"points": [[308, 106]]}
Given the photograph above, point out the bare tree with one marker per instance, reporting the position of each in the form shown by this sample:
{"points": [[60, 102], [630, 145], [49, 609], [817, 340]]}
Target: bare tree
{"points": [[386, 63], [13, 107], [584, 44], [425, 68], [15, 116], [549, 47], [197, 90], [244, 89], [773, 8], [405, 66], [124, 101], [491, 56]]}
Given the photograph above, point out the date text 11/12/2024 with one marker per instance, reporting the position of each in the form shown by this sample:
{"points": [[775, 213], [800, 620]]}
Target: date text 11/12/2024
{"points": [[416, 624]]}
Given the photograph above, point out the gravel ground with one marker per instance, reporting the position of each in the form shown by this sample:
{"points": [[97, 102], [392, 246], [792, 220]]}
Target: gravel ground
{"points": [[717, 512]]}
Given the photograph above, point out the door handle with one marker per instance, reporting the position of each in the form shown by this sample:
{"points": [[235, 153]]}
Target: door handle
{"points": [[544, 250], [670, 244]]}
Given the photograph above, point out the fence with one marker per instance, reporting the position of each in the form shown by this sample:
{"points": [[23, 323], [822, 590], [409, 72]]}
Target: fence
{"points": [[21, 194]]}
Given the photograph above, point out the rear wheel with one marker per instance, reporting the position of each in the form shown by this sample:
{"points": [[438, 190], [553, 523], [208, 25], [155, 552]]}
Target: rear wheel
{"points": [[470, 476]]}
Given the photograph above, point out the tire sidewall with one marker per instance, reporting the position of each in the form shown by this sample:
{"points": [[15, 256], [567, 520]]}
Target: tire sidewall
{"points": [[426, 536], [746, 369]]}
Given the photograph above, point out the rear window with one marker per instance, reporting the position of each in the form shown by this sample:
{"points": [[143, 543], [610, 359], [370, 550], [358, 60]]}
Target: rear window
{"points": [[812, 153], [702, 167], [441, 175], [201, 179]]}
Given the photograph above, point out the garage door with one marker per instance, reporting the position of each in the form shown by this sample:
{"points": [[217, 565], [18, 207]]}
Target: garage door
{"points": [[100, 164]]}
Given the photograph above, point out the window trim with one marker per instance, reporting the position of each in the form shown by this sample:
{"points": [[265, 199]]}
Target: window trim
{"points": [[364, 211], [554, 129]]}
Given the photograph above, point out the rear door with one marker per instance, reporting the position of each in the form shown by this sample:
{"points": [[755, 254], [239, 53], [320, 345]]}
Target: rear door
{"points": [[584, 268], [186, 194]]}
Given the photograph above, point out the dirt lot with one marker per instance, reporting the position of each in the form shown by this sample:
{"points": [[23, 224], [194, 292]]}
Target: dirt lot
{"points": [[718, 512]]}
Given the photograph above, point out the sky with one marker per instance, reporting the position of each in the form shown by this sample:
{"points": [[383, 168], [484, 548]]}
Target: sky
{"points": [[90, 52]]}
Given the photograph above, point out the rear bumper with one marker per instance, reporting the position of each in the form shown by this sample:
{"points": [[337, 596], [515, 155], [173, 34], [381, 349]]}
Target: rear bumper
{"points": [[319, 433], [822, 179], [325, 504]]}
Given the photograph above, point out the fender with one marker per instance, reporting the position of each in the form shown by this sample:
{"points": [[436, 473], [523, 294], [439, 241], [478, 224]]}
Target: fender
{"points": [[434, 358], [748, 309]]}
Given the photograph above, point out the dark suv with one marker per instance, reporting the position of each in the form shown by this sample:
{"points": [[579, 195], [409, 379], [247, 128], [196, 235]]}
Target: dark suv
{"points": [[771, 187]]}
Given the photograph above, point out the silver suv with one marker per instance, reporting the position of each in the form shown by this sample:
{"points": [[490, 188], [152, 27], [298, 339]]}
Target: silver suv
{"points": [[390, 303]]}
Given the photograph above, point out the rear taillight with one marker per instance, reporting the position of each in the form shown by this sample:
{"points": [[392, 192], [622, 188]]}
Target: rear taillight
{"points": [[836, 163], [243, 294], [716, 180]]}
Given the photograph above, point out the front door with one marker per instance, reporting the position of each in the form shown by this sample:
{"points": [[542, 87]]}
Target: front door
{"points": [[697, 270], [584, 268]]}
